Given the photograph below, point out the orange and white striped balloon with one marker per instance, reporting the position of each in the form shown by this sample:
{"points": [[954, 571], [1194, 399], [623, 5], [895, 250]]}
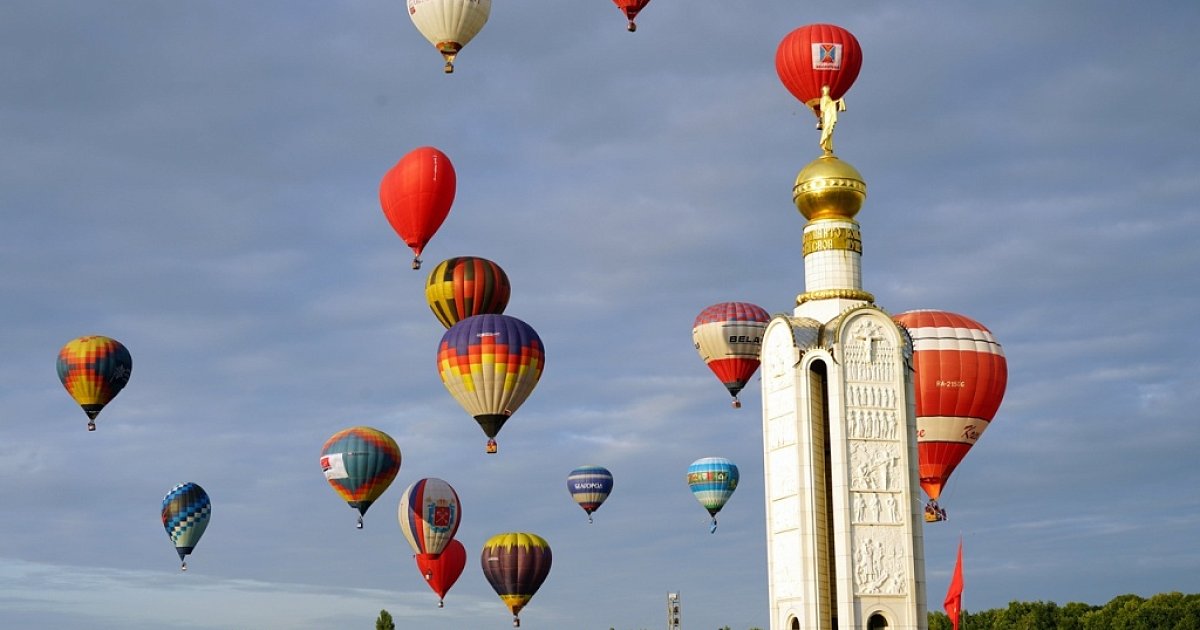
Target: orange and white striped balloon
{"points": [[960, 375]]}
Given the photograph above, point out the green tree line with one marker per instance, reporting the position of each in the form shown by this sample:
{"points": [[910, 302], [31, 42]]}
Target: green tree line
{"points": [[1165, 611]]}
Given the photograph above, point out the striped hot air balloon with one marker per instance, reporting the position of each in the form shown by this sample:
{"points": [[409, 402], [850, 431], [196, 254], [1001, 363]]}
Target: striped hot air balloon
{"points": [[94, 369], [464, 286], [490, 364], [728, 337], [590, 486], [185, 513], [712, 480], [429, 514], [360, 463], [516, 564], [959, 378]]}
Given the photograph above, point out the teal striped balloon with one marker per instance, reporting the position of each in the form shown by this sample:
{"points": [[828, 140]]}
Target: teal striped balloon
{"points": [[712, 480]]}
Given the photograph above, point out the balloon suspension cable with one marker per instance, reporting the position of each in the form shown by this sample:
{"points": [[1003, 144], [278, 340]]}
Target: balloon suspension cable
{"points": [[91, 425], [416, 263], [737, 404], [359, 524], [183, 565], [712, 529], [492, 447]]}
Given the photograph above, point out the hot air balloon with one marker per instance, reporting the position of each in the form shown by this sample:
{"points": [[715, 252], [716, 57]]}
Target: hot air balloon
{"points": [[185, 513], [516, 564], [449, 24], [429, 514], [959, 377], [416, 195], [360, 463], [94, 369], [728, 337], [590, 486], [490, 364], [631, 8], [442, 571], [464, 286], [712, 480], [816, 56]]}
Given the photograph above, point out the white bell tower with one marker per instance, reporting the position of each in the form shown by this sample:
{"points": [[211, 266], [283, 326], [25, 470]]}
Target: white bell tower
{"points": [[845, 545]]}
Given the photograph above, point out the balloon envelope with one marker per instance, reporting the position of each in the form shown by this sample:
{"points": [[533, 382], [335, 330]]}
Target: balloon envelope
{"points": [[416, 195], [458, 288], [516, 564], [959, 378], [631, 8], [490, 364], [185, 513], [360, 463], [815, 56], [590, 486], [429, 514], [728, 337], [94, 369], [712, 480], [443, 570], [449, 24]]}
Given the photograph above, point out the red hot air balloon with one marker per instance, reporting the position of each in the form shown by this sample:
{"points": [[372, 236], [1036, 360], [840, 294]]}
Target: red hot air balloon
{"points": [[631, 8], [815, 56], [443, 570], [728, 337], [959, 377], [416, 195]]}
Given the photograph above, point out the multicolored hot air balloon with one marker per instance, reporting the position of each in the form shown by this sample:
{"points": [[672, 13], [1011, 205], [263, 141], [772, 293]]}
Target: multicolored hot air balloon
{"points": [[464, 286], [816, 56], [416, 195], [516, 564], [449, 24], [443, 570], [185, 513], [631, 8], [728, 337], [590, 486], [360, 463], [959, 378], [429, 514], [94, 369], [712, 480], [490, 364]]}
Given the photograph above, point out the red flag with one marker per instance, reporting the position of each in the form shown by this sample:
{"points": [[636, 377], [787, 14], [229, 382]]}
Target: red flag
{"points": [[953, 602]]}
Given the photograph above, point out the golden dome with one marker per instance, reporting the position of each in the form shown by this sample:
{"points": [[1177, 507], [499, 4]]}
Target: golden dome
{"points": [[829, 188]]}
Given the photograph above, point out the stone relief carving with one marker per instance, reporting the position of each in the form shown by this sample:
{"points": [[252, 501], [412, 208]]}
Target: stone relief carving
{"points": [[874, 467], [879, 566], [870, 355], [873, 424], [875, 508]]}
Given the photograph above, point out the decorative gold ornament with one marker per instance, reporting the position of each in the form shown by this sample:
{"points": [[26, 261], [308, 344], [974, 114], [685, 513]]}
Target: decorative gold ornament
{"points": [[829, 188], [835, 294], [828, 119], [823, 239]]}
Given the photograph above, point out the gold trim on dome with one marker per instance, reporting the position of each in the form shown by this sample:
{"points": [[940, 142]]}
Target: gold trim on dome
{"points": [[824, 239], [835, 294], [814, 185]]}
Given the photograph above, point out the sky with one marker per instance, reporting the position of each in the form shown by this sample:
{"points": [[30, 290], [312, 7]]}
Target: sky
{"points": [[200, 181]]}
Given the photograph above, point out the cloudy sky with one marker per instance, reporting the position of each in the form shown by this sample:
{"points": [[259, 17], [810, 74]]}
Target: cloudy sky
{"points": [[199, 180]]}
